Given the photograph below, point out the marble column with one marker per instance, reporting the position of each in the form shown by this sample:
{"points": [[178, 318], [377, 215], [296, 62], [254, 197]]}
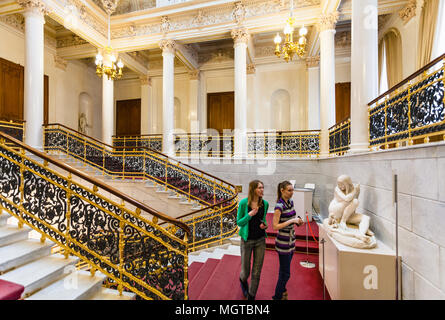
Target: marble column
{"points": [[107, 110], [168, 96], [313, 73], [364, 70], [240, 38], [146, 106], [326, 26], [33, 78], [194, 95]]}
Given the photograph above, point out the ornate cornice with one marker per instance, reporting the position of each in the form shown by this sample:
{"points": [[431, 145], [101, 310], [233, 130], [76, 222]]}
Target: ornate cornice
{"points": [[327, 21], [240, 35], [239, 13], [36, 6], [110, 5], [409, 11], [60, 63], [167, 45]]}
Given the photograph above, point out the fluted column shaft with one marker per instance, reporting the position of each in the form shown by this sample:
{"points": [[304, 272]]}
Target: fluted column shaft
{"points": [[240, 37], [364, 69], [168, 89], [327, 78], [33, 77], [107, 110]]}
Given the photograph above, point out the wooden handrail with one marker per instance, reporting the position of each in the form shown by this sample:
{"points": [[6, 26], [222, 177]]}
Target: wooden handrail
{"points": [[412, 76], [97, 183], [280, 132], [137, 135], [80, 133], [18, 121]]}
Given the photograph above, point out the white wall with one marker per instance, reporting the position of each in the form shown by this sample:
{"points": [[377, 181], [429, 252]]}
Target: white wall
{"points": [[65, 86]]}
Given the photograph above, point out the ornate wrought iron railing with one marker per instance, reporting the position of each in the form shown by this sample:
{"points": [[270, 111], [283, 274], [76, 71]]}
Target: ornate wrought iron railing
{"points": [[150, 141], [203, 145], [214, 223], [412, 111], [284, 143], [74, 210], [14, 128], [340, 137]]}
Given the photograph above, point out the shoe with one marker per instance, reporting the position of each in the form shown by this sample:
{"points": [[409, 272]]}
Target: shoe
{"points": [[244, 288], [249, 297], [285, 296]]}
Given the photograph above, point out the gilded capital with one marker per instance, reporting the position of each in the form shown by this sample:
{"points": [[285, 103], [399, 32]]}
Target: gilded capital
{"points": [[36, 6], [167, 45], [251, 68], [312, 62], [327, 21], [145, 80], [194, 74], [409, 11], [240, 35]]}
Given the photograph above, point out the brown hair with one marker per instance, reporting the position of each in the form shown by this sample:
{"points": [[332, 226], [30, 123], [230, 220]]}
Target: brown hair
{"points": [[281, 186], [252, 187]]}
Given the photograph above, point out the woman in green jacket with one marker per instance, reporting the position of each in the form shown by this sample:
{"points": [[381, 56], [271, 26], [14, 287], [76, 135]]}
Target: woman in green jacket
{"points": [[251, 219]]}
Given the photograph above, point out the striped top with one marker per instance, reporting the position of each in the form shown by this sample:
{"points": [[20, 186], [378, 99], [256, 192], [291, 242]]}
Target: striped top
{"points": [[285, 240]]}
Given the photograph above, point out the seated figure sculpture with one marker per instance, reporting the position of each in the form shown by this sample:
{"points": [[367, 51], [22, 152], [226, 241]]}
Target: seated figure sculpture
{"points": [[342, 213]]}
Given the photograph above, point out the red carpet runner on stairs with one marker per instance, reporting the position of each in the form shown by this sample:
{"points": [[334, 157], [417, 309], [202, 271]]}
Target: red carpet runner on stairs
{"points": [[219, 279]]}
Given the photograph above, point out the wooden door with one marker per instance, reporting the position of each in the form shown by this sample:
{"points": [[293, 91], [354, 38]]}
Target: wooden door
{"points": [[11, 90], [128, 117], [221, 111], [342, 101]]}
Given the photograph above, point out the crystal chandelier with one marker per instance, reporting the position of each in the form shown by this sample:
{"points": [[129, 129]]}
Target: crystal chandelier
{"points": [[106, 63], [289, 48]]}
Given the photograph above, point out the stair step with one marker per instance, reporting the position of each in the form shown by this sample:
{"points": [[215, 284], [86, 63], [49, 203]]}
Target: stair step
{"points": [[10, 234], [201, 278], [193, 270], [111, 294], [22, 252], [79, 285], [218, 282], [4, 218], [40, 273]]}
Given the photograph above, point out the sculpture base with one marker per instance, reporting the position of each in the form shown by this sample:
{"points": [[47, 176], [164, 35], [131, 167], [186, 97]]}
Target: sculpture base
{"points": [[350, 237], [358, 274]]}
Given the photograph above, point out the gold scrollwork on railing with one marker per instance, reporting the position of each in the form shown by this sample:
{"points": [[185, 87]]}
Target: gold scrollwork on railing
{"points": [[132, 251], [340, 137], [412, 112], [218, 197]]}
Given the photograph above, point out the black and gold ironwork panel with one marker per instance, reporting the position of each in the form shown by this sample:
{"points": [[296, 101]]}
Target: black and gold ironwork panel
{"points": [[133, 252], [413, 112], [283, 144], [340, 137]]}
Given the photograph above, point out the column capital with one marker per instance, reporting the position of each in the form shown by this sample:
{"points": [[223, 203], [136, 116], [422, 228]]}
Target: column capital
{"points": [[240, 35], [327, 21], [34, 6], [409, 11], [145, 80], [313, 62], [194, 74], [167, 46], [251, 68]]}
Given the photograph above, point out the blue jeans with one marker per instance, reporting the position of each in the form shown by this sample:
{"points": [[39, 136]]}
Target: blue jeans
{"points": [[283, 275]]}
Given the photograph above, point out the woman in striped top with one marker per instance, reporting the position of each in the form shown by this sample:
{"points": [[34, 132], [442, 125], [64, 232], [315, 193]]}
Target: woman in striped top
{"points": [[283, 221]]}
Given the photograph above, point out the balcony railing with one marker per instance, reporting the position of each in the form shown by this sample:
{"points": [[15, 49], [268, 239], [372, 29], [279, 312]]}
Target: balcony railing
{"points": [[150, 141], [13, 128], [284, 144], [203, 145], [411, 112], [340, 137]]}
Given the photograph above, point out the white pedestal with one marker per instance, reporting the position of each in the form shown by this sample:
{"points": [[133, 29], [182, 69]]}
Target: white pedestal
{"points": [[303, 203], [358, 274]]}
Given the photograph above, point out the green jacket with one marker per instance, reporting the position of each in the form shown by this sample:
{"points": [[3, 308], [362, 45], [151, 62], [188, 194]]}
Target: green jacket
{"points": [[243, 218]]}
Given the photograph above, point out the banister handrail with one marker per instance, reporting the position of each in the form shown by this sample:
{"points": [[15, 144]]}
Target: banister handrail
{"points": [[412, 76], [98, 183], [144, 148], [136, 135], [281, 132], [339, 122]]}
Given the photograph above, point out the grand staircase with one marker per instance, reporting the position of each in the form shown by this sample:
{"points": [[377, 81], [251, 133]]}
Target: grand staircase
{"points": [[29, 263]]}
